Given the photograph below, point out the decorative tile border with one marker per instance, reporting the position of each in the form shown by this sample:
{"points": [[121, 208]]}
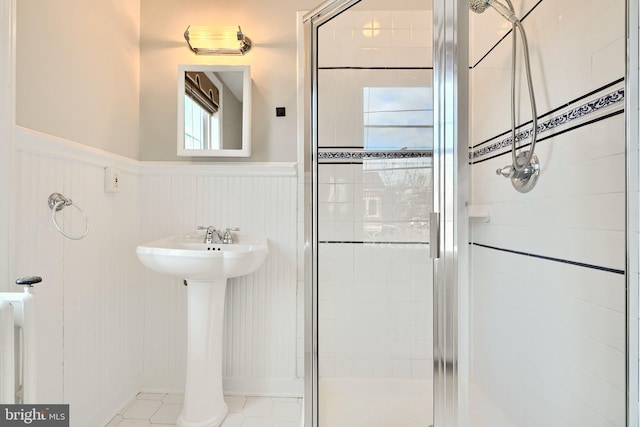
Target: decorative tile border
{"points": [[358, 155], [586, 109]]}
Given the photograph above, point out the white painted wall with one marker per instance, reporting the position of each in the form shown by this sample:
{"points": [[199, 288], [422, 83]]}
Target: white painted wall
{"points": [[78, 71], [106, 74], [548, 337], [7, 121], [272, 28]]}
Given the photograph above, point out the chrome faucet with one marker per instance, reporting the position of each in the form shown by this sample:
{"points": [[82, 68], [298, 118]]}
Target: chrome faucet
{"points": [[214, 236]]}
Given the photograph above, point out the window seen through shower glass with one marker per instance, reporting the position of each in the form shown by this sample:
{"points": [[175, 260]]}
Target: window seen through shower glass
{"points": [[398, 118]]}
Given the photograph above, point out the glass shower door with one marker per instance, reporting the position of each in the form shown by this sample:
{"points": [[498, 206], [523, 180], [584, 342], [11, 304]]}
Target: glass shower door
{"points": [[372, 192]]}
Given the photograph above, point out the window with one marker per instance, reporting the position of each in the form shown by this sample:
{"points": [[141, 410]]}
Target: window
{"points": [[397, 118]]}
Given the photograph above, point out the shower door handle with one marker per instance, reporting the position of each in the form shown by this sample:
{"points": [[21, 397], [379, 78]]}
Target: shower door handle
{"points": [[434, 235]]}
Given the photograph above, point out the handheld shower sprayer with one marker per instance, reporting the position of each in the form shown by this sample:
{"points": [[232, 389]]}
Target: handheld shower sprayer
{"points": [[524, 168], [479, 6]]}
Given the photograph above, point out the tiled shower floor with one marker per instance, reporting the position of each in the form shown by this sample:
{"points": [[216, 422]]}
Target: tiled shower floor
{"points": [[162, 410]]}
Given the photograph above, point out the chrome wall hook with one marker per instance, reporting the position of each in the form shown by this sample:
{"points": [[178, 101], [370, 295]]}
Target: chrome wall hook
{"points": [[58, 201]]}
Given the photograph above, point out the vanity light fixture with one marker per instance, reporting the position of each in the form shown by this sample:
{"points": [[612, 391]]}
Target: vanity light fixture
{"points": [[221, 40]]}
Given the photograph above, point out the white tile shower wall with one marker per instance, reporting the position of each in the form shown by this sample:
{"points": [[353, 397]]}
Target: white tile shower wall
{"points": [[377, 38], [374, 305], [89, 304], [548, 337], [572, 53], [576, 211], [374, 298], [378, 201], [549, 340], [260, 319], [360, 49]]}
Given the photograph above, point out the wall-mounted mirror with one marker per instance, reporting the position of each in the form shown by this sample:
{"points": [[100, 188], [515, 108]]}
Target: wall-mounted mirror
{"points": [[214, 110]]}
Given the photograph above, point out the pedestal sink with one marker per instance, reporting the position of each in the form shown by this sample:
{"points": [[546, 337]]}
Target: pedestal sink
{"points": [[206, 268]]}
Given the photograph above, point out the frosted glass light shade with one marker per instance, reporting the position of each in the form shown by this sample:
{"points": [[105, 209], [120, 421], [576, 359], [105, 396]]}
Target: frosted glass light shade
{"points": [[217, 40]]}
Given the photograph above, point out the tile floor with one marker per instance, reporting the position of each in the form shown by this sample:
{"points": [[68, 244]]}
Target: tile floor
{"points": [[162, 410]]}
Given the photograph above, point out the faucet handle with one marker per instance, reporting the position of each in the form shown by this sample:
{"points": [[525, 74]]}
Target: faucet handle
{"points": [[507, 171], [204, 227], [228, 237], [211, 235]]}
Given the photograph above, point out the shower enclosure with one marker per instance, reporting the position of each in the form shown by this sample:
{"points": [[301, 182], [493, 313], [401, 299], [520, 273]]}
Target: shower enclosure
{"points": [[418, 310], [375, 180]]}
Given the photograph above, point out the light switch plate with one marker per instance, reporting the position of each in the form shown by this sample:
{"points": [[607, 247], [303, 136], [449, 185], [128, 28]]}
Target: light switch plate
{"points": [[111, 180]]}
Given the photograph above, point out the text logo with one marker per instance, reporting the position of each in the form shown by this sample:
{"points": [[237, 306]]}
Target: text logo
{"points": [[34, 415]]}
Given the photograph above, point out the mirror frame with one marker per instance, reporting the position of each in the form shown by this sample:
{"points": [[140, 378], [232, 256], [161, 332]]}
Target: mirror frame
{"points": [[245, 151]]}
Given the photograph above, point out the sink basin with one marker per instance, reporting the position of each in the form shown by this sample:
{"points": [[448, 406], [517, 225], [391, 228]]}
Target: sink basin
{"points": [[186, 257]]}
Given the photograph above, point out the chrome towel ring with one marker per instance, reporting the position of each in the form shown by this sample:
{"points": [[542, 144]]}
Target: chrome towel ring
{"points": [[57, 202]]}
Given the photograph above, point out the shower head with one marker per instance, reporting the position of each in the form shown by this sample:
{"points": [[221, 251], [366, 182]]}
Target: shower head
{"points": [[479, 6]]}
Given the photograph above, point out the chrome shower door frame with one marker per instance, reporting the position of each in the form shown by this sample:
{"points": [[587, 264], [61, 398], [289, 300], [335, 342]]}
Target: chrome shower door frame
{"points": [[451, 193], [632, 122], [311, 22], [451, 189]]}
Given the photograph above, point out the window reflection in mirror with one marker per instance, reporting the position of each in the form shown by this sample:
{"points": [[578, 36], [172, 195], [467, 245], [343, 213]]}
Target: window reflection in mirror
{"points": [[214, 111], [202, 111]]}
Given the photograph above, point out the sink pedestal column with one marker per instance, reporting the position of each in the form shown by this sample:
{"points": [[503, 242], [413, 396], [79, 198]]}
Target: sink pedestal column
{"points": [[204, 404]]}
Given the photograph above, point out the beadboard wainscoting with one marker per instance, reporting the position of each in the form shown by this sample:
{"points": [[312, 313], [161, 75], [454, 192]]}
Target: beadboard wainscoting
{"points": [[108, 327], [90, 303]]}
